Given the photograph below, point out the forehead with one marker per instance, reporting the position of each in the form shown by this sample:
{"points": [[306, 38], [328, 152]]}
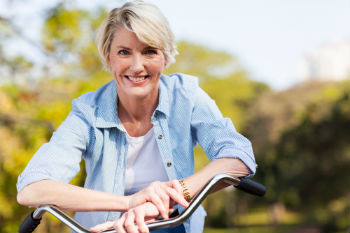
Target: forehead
{"points": [[123, 37]]}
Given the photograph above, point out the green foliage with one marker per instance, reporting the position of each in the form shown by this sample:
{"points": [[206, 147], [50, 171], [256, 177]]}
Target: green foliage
{"points": [[316, 152], [305, 165], [61, 29], [200, 61], [233, 95], [68, 35]]}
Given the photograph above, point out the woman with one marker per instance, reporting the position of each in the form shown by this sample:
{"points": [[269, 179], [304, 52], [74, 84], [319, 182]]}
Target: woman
{"points": [[139, 128]]}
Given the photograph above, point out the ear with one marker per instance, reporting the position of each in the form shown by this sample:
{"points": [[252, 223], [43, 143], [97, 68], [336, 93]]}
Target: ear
{"points": [[165, 60], [108, 62]]}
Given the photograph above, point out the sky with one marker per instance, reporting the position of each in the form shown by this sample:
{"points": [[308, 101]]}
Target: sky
{"points": [[268, 37]]}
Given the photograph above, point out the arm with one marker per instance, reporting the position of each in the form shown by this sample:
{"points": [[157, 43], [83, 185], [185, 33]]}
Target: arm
{"points": [[74, 198], [229, 151], [45, 178], [70, 197], [230, 166]]}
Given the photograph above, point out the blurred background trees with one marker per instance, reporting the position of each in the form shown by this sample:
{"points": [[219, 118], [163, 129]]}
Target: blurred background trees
{"points": [[300, 135]]}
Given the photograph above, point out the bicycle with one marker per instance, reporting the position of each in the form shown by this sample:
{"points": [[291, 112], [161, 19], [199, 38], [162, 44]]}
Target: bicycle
{"points": [[247, 185]]}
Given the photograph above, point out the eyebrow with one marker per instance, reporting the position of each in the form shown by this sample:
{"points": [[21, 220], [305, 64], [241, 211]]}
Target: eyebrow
{"points": [[127, 48], [123, 47], [150, 47]]}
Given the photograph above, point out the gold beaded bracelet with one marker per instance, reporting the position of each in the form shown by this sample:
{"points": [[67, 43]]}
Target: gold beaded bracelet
{"points": [[185, 191]]}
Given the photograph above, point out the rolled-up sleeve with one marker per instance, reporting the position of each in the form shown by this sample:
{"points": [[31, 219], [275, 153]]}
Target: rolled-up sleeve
{"points": [[59, 158], [216, 134]]}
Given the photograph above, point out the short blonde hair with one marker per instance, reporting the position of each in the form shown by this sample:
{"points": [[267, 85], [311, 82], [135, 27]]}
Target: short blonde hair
{"points": [[146, 21]]}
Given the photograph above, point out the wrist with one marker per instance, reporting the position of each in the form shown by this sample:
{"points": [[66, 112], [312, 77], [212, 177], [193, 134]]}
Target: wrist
{"points": [[120, 203], [128, 204], [185, 191]]}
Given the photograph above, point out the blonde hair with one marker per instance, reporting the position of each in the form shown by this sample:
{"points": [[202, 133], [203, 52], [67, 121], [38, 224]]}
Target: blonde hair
{"points": [[146, 21]]}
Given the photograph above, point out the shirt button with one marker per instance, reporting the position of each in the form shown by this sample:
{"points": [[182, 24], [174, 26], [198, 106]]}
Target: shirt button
{"points": [[169, 164], [160, 136]]}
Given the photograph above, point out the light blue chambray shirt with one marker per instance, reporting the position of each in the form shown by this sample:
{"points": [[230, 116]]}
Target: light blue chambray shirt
{"points": [[185, 116]]}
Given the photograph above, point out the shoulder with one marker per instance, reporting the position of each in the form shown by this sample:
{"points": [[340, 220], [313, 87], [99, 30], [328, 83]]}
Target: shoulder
{"points": [[182, 83], [87, 103], [180, 80], [92, 98]]}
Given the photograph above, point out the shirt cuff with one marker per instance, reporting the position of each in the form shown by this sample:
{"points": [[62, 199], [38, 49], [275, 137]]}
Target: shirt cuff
{"points": [[246, 158], [31, 177]]}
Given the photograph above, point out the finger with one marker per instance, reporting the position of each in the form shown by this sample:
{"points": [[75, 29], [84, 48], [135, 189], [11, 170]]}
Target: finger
{"points": [[157, 201], [119, 224], [140, 220], [150, 210], [150, 220], [129, 223], [178, 198], [176, 185], [102, 227], [163, 194]]}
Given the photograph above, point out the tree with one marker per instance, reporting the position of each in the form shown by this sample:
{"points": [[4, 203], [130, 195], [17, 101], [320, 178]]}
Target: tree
{"points": [[303, 146]]}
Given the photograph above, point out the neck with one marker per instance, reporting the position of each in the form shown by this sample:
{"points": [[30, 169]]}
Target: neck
{"points": [[136, 109], [135, 113]]}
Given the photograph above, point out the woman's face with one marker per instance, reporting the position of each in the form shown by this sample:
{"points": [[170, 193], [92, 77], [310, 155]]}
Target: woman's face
{"points": [[135, 66]]}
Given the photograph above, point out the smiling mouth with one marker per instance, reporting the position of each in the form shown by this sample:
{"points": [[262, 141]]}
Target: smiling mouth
{"points": [[137, 78]]}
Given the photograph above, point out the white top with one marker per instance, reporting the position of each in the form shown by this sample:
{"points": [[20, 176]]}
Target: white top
{"points": [[144, 163]]}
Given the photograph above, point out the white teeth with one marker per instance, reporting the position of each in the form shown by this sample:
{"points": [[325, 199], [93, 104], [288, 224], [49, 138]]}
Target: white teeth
{"points": [[136, 79]]}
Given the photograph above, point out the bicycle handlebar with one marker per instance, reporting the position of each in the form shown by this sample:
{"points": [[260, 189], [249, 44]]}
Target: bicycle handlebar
{"points": [[247, 185]]}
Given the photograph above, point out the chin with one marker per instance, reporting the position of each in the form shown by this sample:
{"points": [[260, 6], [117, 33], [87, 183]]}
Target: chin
{"points": [[139, 93]]}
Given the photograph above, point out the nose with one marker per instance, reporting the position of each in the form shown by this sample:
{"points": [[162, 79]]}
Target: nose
{"points": [[137, 64]]}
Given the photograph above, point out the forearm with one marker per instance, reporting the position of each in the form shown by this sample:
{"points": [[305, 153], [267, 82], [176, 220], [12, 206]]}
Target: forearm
{"points": [[230, 166], [70, 197]]}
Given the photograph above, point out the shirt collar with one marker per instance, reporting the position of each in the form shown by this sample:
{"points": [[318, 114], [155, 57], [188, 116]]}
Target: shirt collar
{"points": [[163, 105], [107, 105], [106, 116]]}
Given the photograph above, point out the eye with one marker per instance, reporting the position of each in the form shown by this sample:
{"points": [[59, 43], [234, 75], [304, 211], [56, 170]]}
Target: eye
{"points": [[123, 52], [151, 51]]}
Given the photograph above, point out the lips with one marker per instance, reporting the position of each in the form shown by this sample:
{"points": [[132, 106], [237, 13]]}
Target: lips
{"points": [[137, 78]]}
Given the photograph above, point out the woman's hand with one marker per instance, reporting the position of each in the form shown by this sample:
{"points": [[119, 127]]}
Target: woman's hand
{"points": [[163, 195], [145, 206], [133, 221]]}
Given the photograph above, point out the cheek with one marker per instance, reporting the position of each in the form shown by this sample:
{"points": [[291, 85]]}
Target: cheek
{"points": [[158, 66], [117, 67], [117, 72]]}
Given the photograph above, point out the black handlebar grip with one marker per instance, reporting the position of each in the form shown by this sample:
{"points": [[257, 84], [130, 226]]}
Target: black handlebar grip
{"points": [[29, 224], [251, 187]]}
